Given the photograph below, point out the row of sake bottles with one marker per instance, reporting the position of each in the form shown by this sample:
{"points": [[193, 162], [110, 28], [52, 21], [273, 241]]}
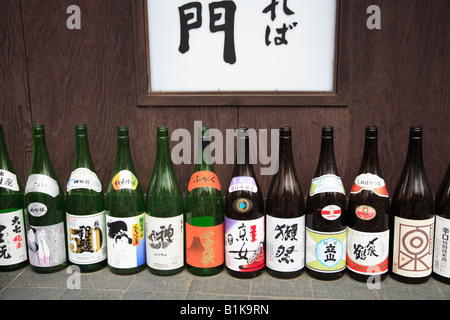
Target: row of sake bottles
{"points": [[368, 235]]}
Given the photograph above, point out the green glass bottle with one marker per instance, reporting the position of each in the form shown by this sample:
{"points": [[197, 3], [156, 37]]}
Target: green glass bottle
{"points": [[85, 212], [44, 199], [204, 215], [12, 220], [164, 218], [125, 212]]}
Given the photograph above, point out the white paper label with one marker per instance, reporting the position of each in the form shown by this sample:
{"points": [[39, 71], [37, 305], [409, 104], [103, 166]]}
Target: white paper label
{"points": [[165, 242], [413, 247], [326, 183], [83, 178], [285, 242], [43, 184], [441, 263], [46, 245], [8, 180], [86, 238], [13, 248]]}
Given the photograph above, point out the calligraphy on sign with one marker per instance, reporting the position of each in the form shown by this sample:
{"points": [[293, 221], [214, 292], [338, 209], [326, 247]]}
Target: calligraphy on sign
{"points": [[242, 45]]}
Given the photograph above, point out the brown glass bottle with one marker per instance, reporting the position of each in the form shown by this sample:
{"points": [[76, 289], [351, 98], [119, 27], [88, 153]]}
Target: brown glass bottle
{"points": [[441, 266], [244, 216], [285, 216], [326, 207], [368, 216], [412, 218]]}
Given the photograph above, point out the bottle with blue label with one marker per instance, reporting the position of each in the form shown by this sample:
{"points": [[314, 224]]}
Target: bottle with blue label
{"points": [[125, 211], [326, 207], [12, 219]]}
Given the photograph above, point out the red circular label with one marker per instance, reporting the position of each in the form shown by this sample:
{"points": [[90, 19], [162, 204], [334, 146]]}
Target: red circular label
{"points": [[365, 212]]}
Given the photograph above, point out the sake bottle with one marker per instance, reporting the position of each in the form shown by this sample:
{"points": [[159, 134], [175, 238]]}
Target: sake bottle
{"points": [[12, 219], [326, 207], [412, 218], [441, 265], [368, 216], [244, 216], [164, 217], [85, 211], [204, 214], [285, 215], [125, 212], [46, 217]]}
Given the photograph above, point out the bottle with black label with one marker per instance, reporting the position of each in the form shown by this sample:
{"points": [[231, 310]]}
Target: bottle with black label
{"points": [[326, 207], [368, 216], [244, 216], [285, 216]]}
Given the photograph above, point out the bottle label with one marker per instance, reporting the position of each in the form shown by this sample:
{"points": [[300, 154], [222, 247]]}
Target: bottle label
{"points": [[326, 183], [125, 179], [46, 245], [204, 246], [87, 238], [413, 247], [8, 180], [366, 213], [203, 179], [244, 244], [165, 242], [125, 241], [441, 264], [326, 251], [243, 184], [37, 209], [369, 181], [285, 241], [42, 184], [13, 248], [83, 178], [367, 252], [331, 212]]}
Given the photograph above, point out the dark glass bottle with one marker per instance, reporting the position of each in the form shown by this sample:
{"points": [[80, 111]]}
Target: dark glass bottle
{"points": [[368, 216], [165, 207], [204, 215], [125, 212], [85, 210], [285, 216], [441, 265], [46, 216], [326, 207], [412, 218], [244, 216], [12, 218]]}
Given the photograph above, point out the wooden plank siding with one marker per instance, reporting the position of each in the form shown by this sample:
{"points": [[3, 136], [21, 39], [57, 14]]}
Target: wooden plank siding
{"points": [[59, 77]]}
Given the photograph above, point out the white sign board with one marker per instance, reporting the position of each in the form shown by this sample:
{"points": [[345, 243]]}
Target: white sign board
{"points": [[242, 45]]}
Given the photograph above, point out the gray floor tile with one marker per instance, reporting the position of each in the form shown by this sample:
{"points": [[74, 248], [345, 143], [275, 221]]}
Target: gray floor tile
{"points": [[270, 287], [31, 294], [343, 288], [221, 283]]}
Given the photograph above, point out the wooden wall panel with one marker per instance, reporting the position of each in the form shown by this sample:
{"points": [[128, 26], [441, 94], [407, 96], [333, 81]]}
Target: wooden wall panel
{"points": [[15, 112]]}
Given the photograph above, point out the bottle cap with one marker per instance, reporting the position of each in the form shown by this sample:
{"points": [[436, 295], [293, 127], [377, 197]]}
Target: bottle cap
{"points": [[415, 132], [162, 132], [371, 132], [286, 131], [81, 130], [327, 132], [38, 130], [122, 132]]}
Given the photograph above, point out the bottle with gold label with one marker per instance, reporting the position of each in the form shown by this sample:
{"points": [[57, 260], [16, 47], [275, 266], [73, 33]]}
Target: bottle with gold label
{"points": [[368, 216], [204, 214], [85, 211], [125, 212], [12, 219]]}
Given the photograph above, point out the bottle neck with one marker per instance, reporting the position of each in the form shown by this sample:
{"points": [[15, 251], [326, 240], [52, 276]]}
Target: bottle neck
{"points": [[243, 167], [41, 160], [414, 156], [286, 157], [327, 161], [5, 163], [123, 155], [163, 157], [370, 162], [203, 158], [82, 153]]}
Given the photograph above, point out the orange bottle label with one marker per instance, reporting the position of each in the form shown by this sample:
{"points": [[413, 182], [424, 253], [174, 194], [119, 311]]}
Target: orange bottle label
{"points": [[205, 246], [204, 179]]}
